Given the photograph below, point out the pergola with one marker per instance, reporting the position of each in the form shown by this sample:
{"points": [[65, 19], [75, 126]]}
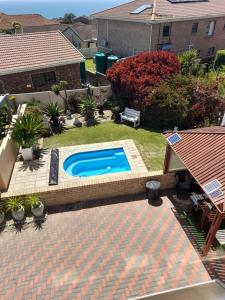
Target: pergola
{"points": [[202, 153]]}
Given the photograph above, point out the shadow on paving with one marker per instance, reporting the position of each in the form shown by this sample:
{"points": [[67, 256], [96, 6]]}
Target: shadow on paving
{"points": [[94, 203], [214, 262]]}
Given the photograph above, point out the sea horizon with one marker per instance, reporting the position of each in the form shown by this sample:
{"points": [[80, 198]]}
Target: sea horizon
{"points": [[57, 8]]}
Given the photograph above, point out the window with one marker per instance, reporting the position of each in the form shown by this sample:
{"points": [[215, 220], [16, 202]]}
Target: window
{"points": [[43, 79], [194, 27], [166, 31], [211, 28], [211, 51]]}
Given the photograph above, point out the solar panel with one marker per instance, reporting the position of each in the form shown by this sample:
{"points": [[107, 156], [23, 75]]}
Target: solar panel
{"points": [[216, 194], [174, 138], [186, 1], [212, 186], [141, 9]]}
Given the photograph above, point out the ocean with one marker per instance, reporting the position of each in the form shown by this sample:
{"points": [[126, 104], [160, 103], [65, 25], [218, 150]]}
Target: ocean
{"points": [[56, 8]]}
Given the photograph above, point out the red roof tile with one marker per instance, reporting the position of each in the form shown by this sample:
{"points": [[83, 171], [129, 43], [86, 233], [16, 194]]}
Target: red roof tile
{"points": [[165, 10], [203, 153], [25, 20], [24, 52]]}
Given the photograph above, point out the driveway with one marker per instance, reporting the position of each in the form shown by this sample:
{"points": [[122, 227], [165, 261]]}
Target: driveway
{"points": [[114, 251]]}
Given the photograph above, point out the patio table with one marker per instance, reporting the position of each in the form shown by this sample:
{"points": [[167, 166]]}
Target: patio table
{"points": [[196, 198]]}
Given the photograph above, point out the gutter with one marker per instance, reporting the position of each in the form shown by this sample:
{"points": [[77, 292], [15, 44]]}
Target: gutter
{"points": [[34, 68], [158, 21]]}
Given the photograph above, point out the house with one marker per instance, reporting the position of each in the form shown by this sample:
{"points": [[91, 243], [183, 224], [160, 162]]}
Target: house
{"points": [[29, 23], [173, 25], [80, 35], [82, 19], [201, 152], [35, 61]]}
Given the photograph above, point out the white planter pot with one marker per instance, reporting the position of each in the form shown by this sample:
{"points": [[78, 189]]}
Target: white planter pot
{"points": [[2, 217], [38, 211], [18, 215], [27, 153]]}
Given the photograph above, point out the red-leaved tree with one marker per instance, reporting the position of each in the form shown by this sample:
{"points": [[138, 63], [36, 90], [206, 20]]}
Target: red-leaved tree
{"points": [[207, 103], [133, 78]]}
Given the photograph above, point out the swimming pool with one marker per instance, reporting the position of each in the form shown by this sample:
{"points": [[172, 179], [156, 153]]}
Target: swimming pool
{"points": [[99, 162]]}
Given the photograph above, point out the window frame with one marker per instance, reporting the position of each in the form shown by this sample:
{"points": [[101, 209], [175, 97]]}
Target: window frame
{"points": [[46, 77], [211, 31], [169, 31], [194, 28]]}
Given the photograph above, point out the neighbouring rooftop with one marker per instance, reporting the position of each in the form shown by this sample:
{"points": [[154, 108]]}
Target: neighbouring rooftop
{"points": [[24, 52], [165, 9], [26, 20], [86, 32]]}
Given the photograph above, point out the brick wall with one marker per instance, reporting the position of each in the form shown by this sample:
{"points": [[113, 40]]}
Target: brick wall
{"points": [[64, 194], [22, 82], [127, 38]]}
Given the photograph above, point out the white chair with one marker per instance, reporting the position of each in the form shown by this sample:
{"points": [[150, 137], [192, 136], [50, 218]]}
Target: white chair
{"points": [[131, 115]]}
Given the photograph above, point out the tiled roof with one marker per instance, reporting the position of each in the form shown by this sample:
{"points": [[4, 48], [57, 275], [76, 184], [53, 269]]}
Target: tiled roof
{"points": [[165, 10], [86, 32], [24, 20], [24, 52], [203, 153]]}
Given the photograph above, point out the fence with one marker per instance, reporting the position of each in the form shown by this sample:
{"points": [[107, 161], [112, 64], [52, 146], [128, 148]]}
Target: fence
{"points": [[8, 154], [99, 94]]}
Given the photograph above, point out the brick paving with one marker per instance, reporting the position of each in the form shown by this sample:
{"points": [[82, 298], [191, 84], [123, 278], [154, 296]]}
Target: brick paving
{"points": [[112, 251]]}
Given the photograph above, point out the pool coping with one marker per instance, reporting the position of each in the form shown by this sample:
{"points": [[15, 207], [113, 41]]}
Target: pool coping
{"points": [[138, 169]]}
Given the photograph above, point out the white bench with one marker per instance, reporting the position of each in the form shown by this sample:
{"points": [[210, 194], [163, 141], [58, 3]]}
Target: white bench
{"points": [[131, 115]]}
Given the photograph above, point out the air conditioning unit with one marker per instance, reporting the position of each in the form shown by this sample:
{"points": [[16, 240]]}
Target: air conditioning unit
{"points": [[104, 43]]}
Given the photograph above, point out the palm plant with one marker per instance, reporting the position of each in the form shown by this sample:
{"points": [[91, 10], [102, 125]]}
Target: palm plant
{"points": [[33, 201], [53, 111], [87, 108], [27, 130], [14, 204], [190, 62]]}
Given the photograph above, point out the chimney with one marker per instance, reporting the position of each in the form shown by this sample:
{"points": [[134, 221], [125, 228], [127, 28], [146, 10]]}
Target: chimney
{"points": [[154, 10]]}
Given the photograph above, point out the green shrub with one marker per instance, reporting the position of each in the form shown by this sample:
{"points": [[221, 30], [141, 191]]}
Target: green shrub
{"points": [[190, 63], [169, 104], [53, 111], [33, 201], [219, 59], [14, 204], [27, 130]]}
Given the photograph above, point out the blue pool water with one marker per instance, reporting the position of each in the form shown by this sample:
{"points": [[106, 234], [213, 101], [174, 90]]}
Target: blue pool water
{"points": [[98, 162]]}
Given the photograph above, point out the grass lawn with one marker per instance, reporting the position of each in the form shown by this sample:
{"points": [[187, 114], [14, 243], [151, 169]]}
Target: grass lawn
{"points": [[151, 144], [90, 65]]}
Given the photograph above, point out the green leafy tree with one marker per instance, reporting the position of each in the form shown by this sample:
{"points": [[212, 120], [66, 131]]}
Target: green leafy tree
{"points": [[68, 18], [16, 26]]}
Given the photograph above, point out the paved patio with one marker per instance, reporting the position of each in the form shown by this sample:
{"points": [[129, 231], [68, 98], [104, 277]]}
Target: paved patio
{"points": [[33, 176], [113, 251]]}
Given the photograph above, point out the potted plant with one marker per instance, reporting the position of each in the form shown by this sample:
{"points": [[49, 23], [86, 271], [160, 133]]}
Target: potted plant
{"points": [[15, 206], [26, 132], [37, 207]]}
